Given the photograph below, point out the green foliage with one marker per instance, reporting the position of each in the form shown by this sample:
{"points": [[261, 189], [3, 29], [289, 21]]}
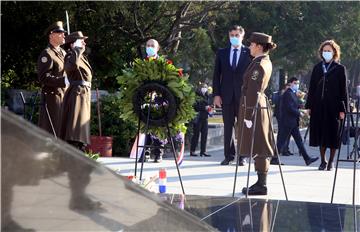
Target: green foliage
{"points": [[143, 71], [123, 132], [197, 54], [91, 155]]}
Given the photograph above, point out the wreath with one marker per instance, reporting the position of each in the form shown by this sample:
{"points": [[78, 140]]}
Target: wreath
{"points": [[157, 93]]}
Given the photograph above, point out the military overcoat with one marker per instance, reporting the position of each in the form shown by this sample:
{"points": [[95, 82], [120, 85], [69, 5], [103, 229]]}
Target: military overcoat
{"points": [[50, 67], [77, 101], [256, 79]]}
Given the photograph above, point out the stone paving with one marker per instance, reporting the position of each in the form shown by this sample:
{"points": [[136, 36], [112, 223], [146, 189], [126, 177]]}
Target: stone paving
{"points": [[205, 176]]}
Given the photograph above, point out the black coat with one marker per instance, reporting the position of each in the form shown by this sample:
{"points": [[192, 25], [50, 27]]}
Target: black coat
{"points": [[200, 106], [326, 100], [227, 82]]}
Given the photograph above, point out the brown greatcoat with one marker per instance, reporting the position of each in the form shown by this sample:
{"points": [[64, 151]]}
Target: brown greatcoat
{"points": [[50, 67], [256, 79], [77, 105]]}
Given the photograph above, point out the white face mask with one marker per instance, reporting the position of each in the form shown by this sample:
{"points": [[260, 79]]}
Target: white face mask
{"points": [[204, 90], [327, 56]]}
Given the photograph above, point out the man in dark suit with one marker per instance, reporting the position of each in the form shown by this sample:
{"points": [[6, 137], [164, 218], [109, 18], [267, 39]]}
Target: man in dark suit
{"points": [[230, 65], [290, 114]]}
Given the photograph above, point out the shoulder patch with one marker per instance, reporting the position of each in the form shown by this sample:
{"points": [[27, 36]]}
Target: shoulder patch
{"points": [[255, 75], [44, 59]]}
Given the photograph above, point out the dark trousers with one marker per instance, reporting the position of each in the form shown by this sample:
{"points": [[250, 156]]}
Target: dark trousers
{"points": [[201, 126], [286, 145], [229, 112], [285, 135]]}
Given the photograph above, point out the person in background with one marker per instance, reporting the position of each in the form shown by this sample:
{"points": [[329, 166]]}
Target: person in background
{"points": [[290, 117], [53, 80], [152, 48], [276, 101], [200, 123], [230, 65], [327, 101]]}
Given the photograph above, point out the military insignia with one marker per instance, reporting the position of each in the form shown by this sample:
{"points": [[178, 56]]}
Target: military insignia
{"points": [[44, 59], [255, 75]]}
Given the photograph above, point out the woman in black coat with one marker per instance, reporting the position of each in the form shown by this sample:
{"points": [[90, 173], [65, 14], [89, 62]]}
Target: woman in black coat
{"points": [[327, 101]]}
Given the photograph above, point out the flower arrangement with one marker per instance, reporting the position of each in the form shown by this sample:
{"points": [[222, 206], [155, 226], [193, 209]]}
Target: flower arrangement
{"points": [[156, 86]]}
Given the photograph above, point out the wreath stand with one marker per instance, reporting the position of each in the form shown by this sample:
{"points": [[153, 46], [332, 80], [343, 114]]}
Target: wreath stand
{"points": [[150, 96]]}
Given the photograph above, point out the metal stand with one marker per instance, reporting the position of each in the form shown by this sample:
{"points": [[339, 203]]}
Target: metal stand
{"points": [[147, 146], [353, 157], [252, 144], [32, 104]]}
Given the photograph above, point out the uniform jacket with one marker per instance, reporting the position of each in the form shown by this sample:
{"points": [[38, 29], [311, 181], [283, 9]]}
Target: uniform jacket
{"points": [[289, 109], [327, 97], [256, 79], [77, 105], [226, 81], [50, 68]]}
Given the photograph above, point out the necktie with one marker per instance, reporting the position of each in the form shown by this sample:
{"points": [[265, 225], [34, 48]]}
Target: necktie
{"points": [[233, 63]]}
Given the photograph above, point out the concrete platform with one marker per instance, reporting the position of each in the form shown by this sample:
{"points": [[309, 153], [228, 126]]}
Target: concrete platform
{"points": [[205, 176]]}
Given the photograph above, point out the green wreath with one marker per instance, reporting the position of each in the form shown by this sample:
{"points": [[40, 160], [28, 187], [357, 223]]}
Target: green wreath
{"points": [[150, 85]]}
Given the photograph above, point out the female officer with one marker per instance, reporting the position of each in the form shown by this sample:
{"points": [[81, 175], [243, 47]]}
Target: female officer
{"points": [[256, 80], [77, 106]]}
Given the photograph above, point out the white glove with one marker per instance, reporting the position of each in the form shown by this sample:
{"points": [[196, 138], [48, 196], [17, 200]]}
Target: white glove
{"points": [[248, 123], [78, 43], [67, 83]]}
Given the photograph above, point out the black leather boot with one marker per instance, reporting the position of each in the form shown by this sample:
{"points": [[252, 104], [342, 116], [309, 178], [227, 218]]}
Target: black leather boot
{"points": [[259, 188]]}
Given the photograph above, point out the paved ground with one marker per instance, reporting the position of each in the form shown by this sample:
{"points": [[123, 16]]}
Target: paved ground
{"points": [[204, 176]]}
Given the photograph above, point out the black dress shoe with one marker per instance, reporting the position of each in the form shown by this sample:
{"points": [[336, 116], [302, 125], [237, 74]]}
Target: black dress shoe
{"points": [[255, 190], [242, 161], [311, 160], [330, 166], [226, 162], [193, 154], [275, 162], [322, 166], [204, 154]]}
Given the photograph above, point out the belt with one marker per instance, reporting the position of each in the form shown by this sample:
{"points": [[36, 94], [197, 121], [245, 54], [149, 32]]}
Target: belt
{"points": [[84, 83]]}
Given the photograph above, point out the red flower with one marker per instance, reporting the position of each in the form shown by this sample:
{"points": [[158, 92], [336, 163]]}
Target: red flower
{"points": [[169, 62], [180, 72]]}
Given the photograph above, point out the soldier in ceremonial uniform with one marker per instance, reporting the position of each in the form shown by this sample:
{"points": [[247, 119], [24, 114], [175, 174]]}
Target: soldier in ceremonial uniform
{"points": [[256, 79], [77, 105], [50, 67]]}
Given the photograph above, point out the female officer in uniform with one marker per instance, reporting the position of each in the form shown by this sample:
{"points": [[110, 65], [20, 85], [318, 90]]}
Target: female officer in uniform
{"points": [[77, 107], [256, 80]]}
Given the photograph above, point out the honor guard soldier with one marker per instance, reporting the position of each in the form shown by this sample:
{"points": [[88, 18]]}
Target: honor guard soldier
{"points": [[50, 68], [254, 112]]}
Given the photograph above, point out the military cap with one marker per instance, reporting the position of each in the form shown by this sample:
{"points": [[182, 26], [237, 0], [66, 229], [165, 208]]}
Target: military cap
{"points": [[261, 38], [55, 27], [72, 37]]}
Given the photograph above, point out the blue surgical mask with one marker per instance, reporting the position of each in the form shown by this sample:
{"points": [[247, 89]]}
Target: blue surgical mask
{"points": [[295, 87], [235, 41], [150, 51], [327, 56]]}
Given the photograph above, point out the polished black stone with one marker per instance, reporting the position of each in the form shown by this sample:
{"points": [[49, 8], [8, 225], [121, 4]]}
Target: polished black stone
{"points": [[241, 214], [47, 185]]}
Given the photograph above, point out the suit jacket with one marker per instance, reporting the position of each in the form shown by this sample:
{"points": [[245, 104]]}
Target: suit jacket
{"points": [[77, 105], [50, 68], [289, 109], [226, 81]]}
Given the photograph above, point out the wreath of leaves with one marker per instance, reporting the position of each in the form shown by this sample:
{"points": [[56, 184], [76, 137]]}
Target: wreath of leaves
{"points": [[163, 72]]}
